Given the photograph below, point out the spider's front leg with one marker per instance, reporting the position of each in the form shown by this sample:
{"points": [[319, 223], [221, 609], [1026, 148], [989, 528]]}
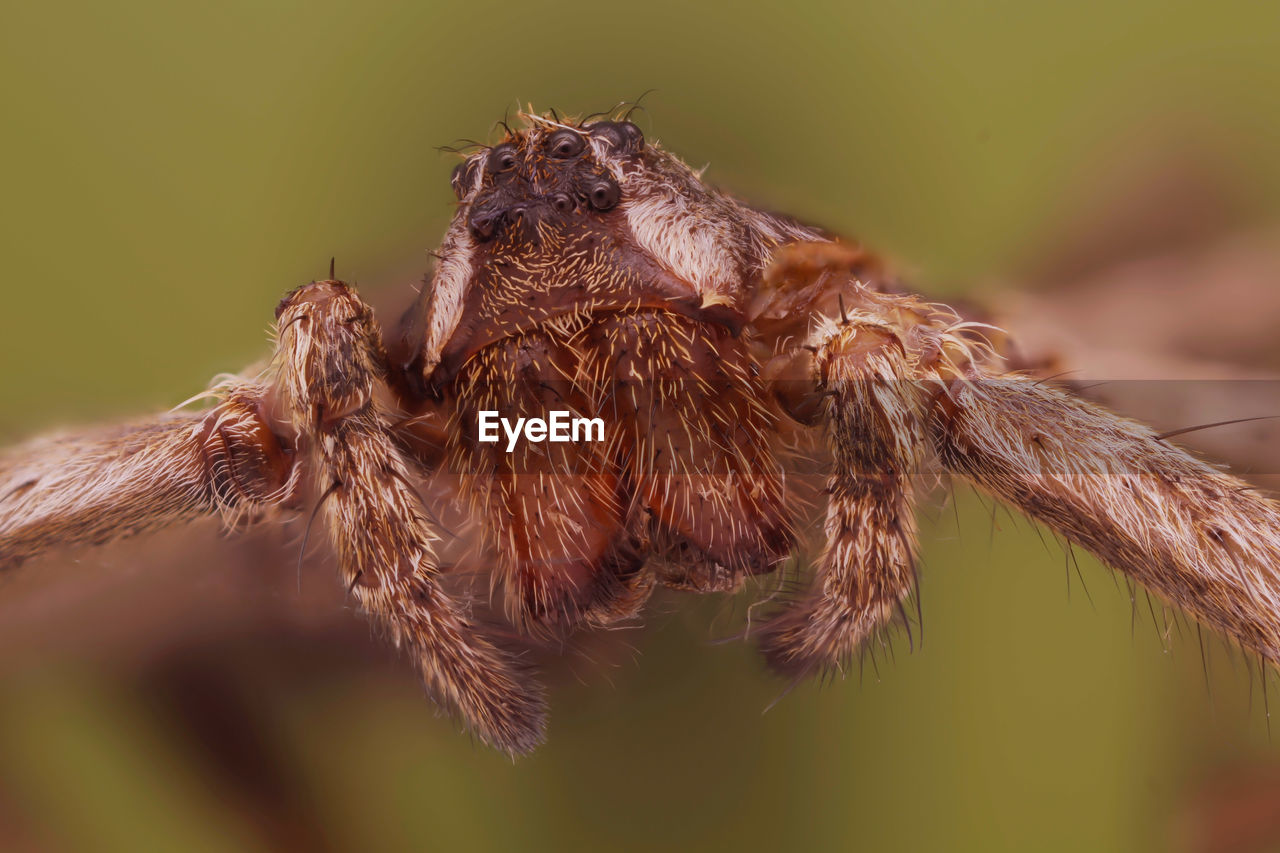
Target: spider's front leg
{"points": [[871, 413], [97, 487], [1202, 539], [330, 360]]}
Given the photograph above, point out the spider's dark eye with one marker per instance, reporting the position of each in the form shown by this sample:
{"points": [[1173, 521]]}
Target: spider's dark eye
{"points": [[502, 158], [564, 144], [623, 136], [464, 176], [604, 195]]}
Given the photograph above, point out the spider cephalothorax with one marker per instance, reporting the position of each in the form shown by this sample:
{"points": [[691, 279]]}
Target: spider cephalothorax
{"points": [[589, 272], [561, 219]]}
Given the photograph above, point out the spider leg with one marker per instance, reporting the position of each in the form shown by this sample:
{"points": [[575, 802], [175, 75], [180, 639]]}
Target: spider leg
{"points": [[331, 358], [866, 568], [93, 488], [1200, 538]]}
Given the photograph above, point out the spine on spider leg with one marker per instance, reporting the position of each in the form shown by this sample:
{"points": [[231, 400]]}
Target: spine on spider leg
{"points": [[384, 541], [1198, 537], [93, 488], [866, 569]]}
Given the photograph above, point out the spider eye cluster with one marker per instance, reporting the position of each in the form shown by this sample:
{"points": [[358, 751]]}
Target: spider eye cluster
{"points": [[545, 173], [622, 138]]}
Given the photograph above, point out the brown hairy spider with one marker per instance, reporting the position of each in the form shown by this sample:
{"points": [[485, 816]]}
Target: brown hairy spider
{"points": [[589, 271]]}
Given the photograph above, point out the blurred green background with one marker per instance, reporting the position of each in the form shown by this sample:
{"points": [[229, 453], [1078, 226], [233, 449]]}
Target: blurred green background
{"points": [[169, 170]]}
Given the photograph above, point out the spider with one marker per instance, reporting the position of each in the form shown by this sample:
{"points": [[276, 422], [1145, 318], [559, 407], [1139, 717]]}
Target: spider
{"points": [[588, 271]]}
